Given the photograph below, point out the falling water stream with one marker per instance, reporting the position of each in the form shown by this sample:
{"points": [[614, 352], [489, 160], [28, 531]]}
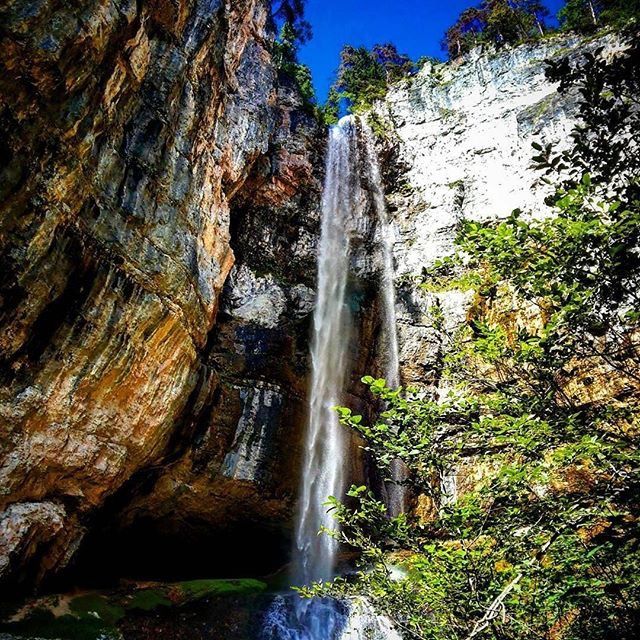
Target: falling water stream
{"points": [[392, 367], [326, 445], [323, 468], [396, 493]]}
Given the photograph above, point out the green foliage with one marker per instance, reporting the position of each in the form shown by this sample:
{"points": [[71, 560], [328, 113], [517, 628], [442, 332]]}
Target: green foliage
{"points": [[544, 539], [364, 74], [620, 13], [586, 16], [501, 22], [579, 15], [285, 57], [291, 12], [423, 60], [497, 22], [330, 110]]}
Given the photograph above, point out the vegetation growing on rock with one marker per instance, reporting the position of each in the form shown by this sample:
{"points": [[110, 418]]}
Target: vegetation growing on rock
{"points": [[500, 22], [94, 615], [495, 21], [585, 16], [295, 30], [364, 76], [541, 423]]}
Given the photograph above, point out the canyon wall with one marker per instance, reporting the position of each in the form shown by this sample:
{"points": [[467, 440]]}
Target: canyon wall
{"points": [[142, 139], [457, 141]]}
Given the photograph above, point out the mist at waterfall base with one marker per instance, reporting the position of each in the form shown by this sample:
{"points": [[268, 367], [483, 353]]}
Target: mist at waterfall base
{"points": [[326, 445]]}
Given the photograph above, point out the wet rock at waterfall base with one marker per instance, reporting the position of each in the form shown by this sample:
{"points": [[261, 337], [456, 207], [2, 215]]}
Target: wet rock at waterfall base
{"points": [[192, 610], [292, 618]]}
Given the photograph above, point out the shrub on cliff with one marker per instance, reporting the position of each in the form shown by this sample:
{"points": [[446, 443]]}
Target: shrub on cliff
{"points": [[496, 22], [285, 57], [543, 420], [364, 74], [295, 30]]}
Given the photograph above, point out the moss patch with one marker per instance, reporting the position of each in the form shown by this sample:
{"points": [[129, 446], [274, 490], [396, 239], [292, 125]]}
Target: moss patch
{"points": [[195, 589], [93, 605], [43, 624], [148, 599]]}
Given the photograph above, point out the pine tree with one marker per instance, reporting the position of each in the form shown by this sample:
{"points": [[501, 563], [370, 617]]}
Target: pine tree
{"points": [[466, 32], [580, 15], [497, 22], [292, 12]]}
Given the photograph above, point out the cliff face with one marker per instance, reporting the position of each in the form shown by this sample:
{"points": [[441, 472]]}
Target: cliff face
{"points": [[140, 139], [236, 478], [458, 146]]}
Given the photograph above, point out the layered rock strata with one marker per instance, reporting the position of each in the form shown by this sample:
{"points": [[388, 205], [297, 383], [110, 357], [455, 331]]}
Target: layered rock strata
{"points": [[134, 133], [457, 143]]}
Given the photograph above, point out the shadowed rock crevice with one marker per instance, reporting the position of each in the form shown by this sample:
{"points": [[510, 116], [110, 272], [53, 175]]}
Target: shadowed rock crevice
{"points": [[180, 550]]}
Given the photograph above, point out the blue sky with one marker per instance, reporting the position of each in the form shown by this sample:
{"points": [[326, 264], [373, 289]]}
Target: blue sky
{"points": [[415, 26]]}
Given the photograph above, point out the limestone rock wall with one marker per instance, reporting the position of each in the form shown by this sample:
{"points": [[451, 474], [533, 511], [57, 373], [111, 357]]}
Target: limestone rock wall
{"points": [[132, 134], [458, 146], [457, 141], [239, 475]]}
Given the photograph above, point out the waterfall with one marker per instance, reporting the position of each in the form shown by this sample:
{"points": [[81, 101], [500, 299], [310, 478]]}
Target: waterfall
{"points": [[326, 442], [396, 493], [392, 367], [323, 467]]}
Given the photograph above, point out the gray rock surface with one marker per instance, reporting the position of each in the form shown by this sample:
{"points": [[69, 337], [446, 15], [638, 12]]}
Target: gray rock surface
{"points": [[461, 136]]}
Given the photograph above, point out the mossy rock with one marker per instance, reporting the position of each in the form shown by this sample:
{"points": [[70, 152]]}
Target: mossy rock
{"points": [[96, 616], [148, 599], [94, 605], [196, 589], [44, 624]]}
